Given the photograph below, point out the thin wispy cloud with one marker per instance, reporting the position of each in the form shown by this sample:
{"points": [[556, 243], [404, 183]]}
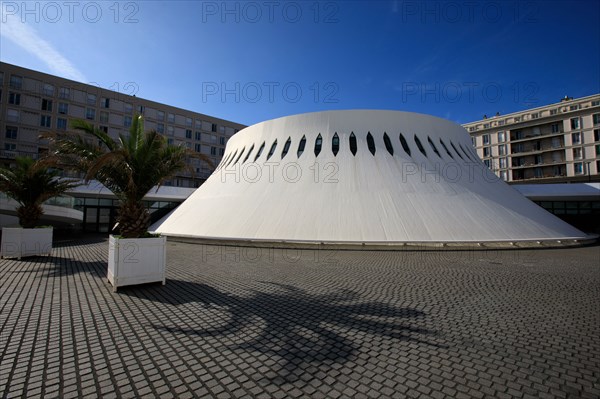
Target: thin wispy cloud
{"points": [[28, 39]]}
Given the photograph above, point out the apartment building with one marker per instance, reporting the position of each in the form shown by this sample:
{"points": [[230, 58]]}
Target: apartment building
{"points": [[32, 102], [551, 144]]}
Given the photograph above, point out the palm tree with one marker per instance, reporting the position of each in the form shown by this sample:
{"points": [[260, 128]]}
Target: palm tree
{"points": [[31, 183], [129, 166]]}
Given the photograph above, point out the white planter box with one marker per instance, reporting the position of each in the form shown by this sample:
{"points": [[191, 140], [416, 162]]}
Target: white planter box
{"points": [[18, 242], [136, 260]]}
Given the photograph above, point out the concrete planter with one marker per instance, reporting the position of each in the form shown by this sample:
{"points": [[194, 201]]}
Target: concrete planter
{"points": [[136, 260], [18, 242]]}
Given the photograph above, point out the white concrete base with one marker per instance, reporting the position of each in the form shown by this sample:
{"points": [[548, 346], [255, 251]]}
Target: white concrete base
{"points": [[18, 242], [136, 260]]}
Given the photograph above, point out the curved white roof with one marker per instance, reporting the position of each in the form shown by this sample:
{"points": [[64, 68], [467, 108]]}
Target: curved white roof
{"points": [[368, 188]]}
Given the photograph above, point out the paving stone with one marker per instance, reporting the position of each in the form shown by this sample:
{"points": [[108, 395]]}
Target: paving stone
{"points": [[372, 324]]}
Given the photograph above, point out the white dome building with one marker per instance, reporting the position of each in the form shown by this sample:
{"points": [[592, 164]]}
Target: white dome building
{"points": [[383, 178]]}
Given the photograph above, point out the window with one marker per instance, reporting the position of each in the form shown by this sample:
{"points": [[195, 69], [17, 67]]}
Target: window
{"points": [[10, 146], [46, 105], [501, 137], [91, 99], [486, 139], [486, 151], [388, 143], [239, 156], [188, 134], [553, 111], [197, 147], [419, 145], [503, 163], [160, 128], [433, 147], [197, 136], [488, 163], [105, 102], [188, 122], [127, 107], [301, 146], [127, 121], [247, 155], [16, 82], [64, 92], [61, 123], [535, 115], [404, 144], [573, 107], [90, 113], [597, 150], [578, 167], [222, 140], [213, 151], [455, 150], [11, 132], [260, 150], [537, 173], [538, 159], [473, 142], [45, 120], [574, 123], [141, 109], [595, 104], [169, 142], [335, 144], [213, 127], [504, 175], [63, 108], [12, 115], [221, 151], [353, 146], [198, 124], [160, 115], [576, 138], [48, 89], [318, 144], [286, 147], [103, 117], [577, 153], [370, 143], [446, 148], [104, 129], [14, 98], [272, 150], [502, 149], [170, 130], [596, 134], [555, 128], [596, 119]]}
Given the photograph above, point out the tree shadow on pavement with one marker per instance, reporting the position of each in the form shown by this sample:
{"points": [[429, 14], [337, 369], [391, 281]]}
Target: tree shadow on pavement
{"points": [[303, 332]]}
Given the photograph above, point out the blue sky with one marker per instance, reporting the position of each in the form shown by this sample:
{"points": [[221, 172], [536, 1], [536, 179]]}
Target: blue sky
{"points": [[251, 61]]}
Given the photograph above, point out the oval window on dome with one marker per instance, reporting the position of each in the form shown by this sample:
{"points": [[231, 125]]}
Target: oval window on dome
{"points": [[301, 146], [335, 144], [370, 143], [419, 145], [260, 150], [239, 156], [446, 148], [232, 158], [272, 150], [388, 143], [433, 147], [455, 150], [248, 154], [405, 146], [353, 146], [286, 147], [318, 145]]}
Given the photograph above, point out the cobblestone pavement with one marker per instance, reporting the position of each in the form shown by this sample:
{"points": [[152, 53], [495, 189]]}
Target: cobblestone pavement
{"points": [[245, 322]]}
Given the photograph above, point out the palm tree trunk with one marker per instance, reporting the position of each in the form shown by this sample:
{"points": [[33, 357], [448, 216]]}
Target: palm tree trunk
{"points": [[134, 219], [29, 215]]}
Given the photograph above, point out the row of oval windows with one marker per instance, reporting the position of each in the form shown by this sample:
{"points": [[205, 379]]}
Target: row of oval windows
{"points": [[233, 158]]}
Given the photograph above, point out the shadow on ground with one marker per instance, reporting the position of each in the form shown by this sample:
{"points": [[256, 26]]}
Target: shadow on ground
{"points": [[303, 334]]}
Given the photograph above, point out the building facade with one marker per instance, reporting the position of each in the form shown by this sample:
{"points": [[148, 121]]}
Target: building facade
{"points": [[32, 103], [551, 144]]}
